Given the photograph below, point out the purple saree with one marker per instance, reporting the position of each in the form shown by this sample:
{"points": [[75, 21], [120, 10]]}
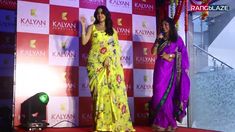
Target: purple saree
{"points": [[171, 86]]}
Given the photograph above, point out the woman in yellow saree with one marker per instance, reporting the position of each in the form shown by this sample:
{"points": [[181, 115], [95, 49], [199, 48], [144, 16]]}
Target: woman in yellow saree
{"points": [[106, 77]]}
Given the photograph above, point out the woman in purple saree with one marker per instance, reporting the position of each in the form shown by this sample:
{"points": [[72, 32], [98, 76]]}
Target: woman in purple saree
{"points": [[171, 82]]}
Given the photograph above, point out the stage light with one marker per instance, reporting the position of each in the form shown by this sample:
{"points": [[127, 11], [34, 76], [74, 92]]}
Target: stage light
{"points": [[33, 112]]}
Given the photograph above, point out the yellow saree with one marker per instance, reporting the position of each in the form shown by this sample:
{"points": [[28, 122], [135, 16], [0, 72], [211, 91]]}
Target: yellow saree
{"points": [[107, 86]]}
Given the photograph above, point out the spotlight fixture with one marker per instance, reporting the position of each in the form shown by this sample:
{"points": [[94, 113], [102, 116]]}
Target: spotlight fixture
{"points": [[33, 112]]}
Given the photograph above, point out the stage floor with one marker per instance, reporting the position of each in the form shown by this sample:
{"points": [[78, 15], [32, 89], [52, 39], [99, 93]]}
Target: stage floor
{"points": [[138, 129]]}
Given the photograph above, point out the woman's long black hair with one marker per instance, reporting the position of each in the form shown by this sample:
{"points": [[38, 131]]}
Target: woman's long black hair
{"points": [[173, 35], [108, 20]]}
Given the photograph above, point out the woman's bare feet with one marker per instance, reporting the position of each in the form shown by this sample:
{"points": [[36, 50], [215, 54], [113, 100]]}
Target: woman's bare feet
{"points": [[171, 129], [158, 129]]}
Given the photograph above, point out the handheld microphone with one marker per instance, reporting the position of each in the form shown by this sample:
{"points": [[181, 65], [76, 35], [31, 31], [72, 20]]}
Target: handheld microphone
{"points": [[160, 38]]}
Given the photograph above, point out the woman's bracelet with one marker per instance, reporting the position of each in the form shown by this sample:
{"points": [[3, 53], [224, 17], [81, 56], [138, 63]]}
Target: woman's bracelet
{"points": [[156, 45]]}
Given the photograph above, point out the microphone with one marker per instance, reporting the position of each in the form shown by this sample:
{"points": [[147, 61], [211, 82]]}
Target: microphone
{"points": [[160, 38]]}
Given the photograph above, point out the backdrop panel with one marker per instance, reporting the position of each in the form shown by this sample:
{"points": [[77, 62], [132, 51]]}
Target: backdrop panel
{"points": [[51, 59]]}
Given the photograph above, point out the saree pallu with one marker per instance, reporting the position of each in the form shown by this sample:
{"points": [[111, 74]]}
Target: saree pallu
{"points": [[107, 86], [170, 86]]}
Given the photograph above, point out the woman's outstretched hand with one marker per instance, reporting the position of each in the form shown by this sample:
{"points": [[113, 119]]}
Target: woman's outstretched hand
{"points": [[83, 21]]}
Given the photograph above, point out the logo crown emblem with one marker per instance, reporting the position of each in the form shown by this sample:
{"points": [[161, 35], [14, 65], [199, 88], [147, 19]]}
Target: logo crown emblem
{"points": [[145, 78], [119, 21], [32, 43], [33, 12], [144, 24], [145, 51], [63, 44], [64, 16]]}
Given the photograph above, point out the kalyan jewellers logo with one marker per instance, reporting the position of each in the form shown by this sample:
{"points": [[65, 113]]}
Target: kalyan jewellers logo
{"points": [[144, 5], [122, 3], [122, 30], [203, 5], [33, 51], [33, 21], [145, 31], [99, 2], [144, 86], [64, 24]]}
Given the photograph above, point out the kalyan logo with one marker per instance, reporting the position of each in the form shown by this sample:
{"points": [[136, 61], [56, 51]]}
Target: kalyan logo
{"points": [[92, 4], [8, 4], [31, 47], [33, 21], [144, 7], [120, 3], [63, 20], [143, 59], [33, 50], [34, 18], [67, 54], [145, 30], [144, 87], [122, 23], [7, 24], [63, 117]]}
